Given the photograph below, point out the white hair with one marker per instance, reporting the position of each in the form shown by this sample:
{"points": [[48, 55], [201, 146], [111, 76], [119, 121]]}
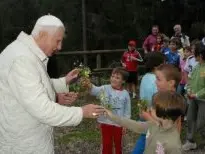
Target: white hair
{"points": [[47, 23]]}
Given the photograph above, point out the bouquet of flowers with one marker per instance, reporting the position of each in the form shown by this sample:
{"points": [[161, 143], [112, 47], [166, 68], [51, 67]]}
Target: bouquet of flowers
{"points": [[82, 83], [142, 105], [106, 102]]}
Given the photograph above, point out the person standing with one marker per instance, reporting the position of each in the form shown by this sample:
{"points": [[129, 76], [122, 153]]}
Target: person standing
{"points": [[178, 34], [28, 108], [151, 40], [130, 61]]}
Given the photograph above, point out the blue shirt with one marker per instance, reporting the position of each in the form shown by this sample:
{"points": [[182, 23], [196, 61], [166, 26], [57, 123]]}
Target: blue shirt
{"points": [[119, 99], [164, 50], [148, 87], [172, 57]]}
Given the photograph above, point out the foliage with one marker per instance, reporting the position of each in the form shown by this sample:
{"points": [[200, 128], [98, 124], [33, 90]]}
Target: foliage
{"points": [[81, 84], [109, 23], [142, 105]]}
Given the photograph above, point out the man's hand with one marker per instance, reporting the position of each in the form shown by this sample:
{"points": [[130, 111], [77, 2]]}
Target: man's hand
{"points": [[92, 111], [66, 98], [71, 75]]}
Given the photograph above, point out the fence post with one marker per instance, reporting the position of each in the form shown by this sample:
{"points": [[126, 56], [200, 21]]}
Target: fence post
{"points": [[98, 65], [98, 61]]}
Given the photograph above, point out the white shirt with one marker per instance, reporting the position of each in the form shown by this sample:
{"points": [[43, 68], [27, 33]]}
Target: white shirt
{"points": [[190, 64], [28, 110]]}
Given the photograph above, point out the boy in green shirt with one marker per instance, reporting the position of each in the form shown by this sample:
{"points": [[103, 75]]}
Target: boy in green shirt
{"points": [[196, 99]]}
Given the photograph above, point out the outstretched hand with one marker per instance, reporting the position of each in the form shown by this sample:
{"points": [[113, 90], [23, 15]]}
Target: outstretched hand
{"points": [[92, 111], [72, 75]]}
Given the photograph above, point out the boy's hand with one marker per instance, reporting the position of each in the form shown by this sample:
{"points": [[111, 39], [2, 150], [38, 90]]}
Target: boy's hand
{"points": [[124, 65], [132, 58], [86, 83], [108, 113], [145, 115]]}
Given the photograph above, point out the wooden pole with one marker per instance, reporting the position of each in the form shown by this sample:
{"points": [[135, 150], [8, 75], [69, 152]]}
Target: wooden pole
{"points": [[84, 31], [98, 65]]}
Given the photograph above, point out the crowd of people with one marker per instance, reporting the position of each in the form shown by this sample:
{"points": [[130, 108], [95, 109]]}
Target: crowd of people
{"points": [[182, 70], [31, 103]]}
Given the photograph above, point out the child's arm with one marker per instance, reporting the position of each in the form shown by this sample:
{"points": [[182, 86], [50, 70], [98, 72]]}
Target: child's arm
{"points": [[127, 107], [123, 60], [94, 90], [136, 58], [137, 127]]}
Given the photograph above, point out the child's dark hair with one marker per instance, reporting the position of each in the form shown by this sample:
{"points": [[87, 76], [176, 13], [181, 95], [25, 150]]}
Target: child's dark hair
{"points": [[153, 59], [121, 71], [170, 72], [169, 105], [176, 41]]}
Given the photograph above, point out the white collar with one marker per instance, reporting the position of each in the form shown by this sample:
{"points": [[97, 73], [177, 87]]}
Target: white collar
{"points": [[29, 41]]}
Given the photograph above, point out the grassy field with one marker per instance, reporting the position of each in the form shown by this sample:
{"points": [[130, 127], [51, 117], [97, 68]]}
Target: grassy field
{"points": [[85, 138]]}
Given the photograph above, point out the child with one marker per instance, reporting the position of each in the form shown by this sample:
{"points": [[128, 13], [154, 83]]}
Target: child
{"points": [[157, 47], [130, 61], [152, 60], [167, 79], [181, 87], [165, 45], [173, 56], [163, 136], [120, 102], [191, 60], [196, 96]]}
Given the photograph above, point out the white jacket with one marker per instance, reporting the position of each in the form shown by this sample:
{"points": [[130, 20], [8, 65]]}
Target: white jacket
{"points": [[28, 110]]}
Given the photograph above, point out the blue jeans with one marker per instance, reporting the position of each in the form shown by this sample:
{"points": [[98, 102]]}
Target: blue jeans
{"points": [[140, 144]]}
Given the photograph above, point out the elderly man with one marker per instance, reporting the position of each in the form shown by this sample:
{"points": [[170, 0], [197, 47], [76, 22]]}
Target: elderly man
{"points": [[28, 110], [178, 33]]}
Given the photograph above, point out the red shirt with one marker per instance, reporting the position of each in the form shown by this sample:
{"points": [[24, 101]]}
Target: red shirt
{"points": [[131, 65], [149, 42]]}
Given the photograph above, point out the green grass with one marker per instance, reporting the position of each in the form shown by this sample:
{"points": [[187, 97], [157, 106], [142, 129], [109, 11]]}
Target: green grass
{"points": [[88, 135]]}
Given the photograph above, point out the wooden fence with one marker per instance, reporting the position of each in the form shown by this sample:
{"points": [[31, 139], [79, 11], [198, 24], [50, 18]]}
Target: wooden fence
{"points": [[100, 61]]}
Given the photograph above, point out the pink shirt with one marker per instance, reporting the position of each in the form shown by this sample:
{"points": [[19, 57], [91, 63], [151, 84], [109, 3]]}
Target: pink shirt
{"points": [[149, 42]]}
